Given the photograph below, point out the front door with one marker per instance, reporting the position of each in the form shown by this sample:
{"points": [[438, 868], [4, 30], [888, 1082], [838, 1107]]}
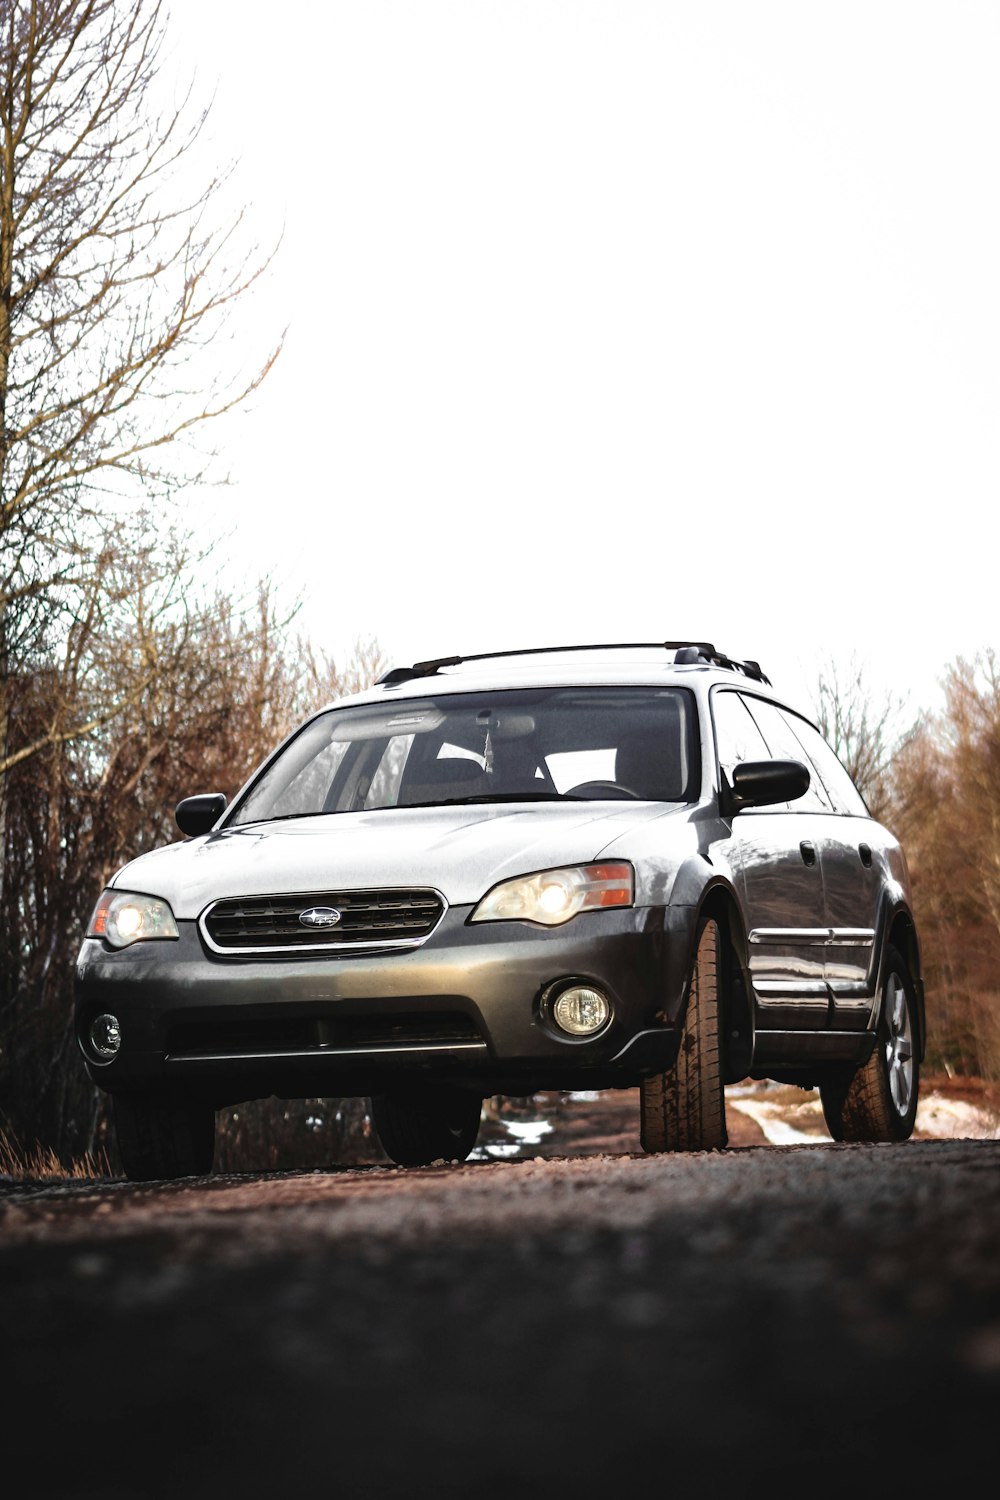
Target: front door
{"points": [[775, 855]]}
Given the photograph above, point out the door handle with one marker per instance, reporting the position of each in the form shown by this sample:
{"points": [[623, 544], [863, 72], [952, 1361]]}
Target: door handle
{"points": [[866, 855], [808, 852]]}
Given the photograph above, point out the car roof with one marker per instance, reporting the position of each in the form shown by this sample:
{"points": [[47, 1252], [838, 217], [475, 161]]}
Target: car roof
{"points": [[603, 666]]}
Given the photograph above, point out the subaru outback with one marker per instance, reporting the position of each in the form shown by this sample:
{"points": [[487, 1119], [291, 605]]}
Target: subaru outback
{"points": [[601, 867]]}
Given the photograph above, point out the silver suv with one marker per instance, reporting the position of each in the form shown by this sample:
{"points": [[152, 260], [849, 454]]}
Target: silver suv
{"points": [[579, 867]]}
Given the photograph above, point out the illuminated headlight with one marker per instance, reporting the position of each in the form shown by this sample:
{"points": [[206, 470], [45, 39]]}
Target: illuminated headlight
{"points": [[554, 896], [122, 917]]}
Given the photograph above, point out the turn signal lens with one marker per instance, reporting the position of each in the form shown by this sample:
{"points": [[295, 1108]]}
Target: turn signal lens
{"points": [[123, 917], [553, 896]]}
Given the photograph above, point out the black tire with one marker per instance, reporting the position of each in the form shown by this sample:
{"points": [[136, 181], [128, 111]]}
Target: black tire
{"points": [[163, 1138], [878, 1101], [416, 1129], [684, 1109]]}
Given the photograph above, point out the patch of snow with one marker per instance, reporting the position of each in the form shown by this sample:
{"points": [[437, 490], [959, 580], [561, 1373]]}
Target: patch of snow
{"points": [[495, 1151], [955, 1119], [525, 1133], [528, 1132], [772, 1120], [938, 1118]]}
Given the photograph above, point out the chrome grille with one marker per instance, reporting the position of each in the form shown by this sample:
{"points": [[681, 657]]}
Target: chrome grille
{"points": [[370, 918]]}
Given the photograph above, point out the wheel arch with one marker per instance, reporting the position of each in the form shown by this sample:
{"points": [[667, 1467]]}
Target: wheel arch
{"points": [[900, 932]]}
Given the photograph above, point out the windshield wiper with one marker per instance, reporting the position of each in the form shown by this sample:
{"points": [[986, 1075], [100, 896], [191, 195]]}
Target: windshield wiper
{"points": [[331, 812], [479, 797], [284, 818]]}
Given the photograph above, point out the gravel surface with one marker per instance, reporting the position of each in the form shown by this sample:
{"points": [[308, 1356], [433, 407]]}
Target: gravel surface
{"points": [[815, 1315]]}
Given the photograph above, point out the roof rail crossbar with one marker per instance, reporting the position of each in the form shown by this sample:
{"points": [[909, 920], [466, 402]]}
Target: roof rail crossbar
{"points": [[746, 668], [688, 652], [428, 668], [421, 669]]}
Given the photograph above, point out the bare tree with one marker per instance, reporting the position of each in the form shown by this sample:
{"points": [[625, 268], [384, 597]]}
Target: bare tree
{"points": [[113, 282], [865, 730], [220, 686]]}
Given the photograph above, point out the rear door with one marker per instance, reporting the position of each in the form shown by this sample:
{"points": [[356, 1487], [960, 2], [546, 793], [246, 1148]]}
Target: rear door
{"points": [[855, 873]]}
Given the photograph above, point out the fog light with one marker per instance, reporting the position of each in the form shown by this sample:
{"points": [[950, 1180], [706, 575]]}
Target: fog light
{"points": [[105, 1036], [580, 1010]]}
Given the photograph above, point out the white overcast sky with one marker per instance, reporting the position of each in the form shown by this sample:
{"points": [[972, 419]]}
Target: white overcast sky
{"points": [[613, 320]]}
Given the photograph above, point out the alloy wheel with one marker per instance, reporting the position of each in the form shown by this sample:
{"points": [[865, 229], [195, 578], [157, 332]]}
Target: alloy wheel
{"points": [[898, 1044]]}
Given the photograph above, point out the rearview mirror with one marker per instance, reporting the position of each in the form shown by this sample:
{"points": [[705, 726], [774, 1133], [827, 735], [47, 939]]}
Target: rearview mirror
{"points": [[759, 783], [198, 814]]}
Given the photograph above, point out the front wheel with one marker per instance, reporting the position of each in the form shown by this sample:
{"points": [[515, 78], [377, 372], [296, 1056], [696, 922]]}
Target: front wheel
{"points": [[684, 1109], [162, 1138], [416, 1129], [878, 1101]]}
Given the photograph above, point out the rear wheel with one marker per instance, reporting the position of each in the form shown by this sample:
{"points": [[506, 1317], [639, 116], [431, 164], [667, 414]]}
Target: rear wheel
{"points": [[684, 1108], [433, 1125], [878, 1101], [163, 1137]]}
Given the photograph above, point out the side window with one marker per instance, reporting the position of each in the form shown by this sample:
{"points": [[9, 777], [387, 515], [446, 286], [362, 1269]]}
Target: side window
{"points": [[843, 793], [784, 745], [736, 735]]}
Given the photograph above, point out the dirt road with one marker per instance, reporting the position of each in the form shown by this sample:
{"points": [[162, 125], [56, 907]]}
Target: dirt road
{"points": [[815, 1317]]}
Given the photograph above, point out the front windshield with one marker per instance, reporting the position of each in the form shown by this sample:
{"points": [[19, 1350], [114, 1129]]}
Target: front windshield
{"points": [[525, 745]]}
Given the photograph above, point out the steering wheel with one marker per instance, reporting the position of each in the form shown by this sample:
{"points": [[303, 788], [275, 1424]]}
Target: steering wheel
{"points": [[602, 789]]}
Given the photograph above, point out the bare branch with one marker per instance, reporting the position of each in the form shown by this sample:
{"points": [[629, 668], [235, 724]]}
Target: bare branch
{"points": [[864, 730]]}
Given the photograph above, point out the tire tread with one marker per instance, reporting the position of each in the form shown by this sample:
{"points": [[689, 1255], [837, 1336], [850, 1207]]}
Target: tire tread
{"points": [[683, 1108], [163, 1138], [857, 1104], [415, 1130]]}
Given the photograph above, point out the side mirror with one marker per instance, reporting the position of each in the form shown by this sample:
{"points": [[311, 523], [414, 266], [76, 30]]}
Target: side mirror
{"points": [[759, 783], [198, 814]]}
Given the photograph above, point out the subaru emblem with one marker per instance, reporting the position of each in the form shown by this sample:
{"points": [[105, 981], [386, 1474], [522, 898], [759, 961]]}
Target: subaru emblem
{"points": [[320, 916]]}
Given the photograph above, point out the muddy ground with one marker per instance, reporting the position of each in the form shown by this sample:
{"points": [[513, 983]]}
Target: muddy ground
{"points": [[573, 1319]]}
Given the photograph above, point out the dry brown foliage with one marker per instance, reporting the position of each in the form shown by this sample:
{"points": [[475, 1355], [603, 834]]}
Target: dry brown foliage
{"points": [[945, 806], [221, 686], [38, 1163]]}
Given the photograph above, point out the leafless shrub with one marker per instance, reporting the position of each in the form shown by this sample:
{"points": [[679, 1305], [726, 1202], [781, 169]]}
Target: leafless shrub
{"points": [[867, 731]]}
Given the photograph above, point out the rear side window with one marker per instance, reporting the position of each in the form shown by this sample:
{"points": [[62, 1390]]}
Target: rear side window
{"points": [[843, 793], [784, 745]]}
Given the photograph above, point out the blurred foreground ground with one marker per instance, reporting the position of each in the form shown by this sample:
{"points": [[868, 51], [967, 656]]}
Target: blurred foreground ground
{"points": [[575, 1319]]}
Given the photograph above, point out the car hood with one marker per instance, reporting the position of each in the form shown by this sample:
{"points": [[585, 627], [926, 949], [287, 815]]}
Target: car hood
{"points": [[460, 851]]}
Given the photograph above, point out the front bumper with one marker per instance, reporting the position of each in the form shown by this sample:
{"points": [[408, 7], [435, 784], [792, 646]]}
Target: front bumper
{"points": [[466, 1006]]}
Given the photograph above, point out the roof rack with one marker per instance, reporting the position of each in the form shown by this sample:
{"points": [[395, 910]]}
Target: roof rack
{"points": [[686, 653]]}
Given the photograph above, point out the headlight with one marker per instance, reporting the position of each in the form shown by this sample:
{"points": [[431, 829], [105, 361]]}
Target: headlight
{"points": [[122, 917], [554, 896]]}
